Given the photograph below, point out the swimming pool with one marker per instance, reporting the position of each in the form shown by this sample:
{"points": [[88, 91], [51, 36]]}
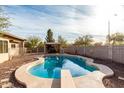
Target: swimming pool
{"points": [[52, 65]]}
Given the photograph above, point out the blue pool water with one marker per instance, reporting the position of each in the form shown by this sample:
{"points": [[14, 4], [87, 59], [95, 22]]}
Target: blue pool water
{"points": [[52, 66]]}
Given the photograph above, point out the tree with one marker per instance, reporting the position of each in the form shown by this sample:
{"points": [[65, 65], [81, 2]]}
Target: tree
{"points": [[84, 41], [62, 41], [88, 39], [79, 41], [117, 39], [34, 42], [49, 37], [98, 44], [4, 21]]}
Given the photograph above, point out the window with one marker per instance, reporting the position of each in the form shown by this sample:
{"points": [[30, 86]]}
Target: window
{"points": [[3, 46], [13, 46]]}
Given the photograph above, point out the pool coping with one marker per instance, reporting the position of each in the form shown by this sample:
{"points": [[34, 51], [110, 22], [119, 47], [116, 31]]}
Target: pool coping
{"points": [[24, 77]]}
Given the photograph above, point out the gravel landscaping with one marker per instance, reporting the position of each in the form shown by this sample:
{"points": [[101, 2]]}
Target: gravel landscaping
{"points": [[7, 69], [116, 81]]}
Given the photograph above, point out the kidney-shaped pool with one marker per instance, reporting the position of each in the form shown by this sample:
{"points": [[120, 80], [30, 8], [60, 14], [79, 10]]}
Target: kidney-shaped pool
{"points": [[52, 65]]}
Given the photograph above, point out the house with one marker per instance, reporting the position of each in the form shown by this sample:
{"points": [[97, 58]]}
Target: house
{"points": [[10, 46]]}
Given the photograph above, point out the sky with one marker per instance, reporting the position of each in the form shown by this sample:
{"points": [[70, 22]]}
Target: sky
{"points": [[68, 21]]}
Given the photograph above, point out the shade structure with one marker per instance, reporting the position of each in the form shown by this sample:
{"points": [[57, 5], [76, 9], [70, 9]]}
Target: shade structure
{"points": [[52, 47]]}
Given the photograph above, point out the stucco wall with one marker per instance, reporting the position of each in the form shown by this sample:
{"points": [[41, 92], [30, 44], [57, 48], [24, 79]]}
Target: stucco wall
{"points": [[11, 51], [4, 57], [114, 53], [14, 51]]}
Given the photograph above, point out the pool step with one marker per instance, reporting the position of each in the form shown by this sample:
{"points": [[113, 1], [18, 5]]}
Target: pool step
{"points": [[66, 79]]}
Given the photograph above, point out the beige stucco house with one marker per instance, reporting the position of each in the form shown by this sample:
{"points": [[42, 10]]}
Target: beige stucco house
{"points": [[10, 46]]}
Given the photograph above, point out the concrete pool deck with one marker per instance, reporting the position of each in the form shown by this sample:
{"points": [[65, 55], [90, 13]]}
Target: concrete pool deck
{"points": [[91, 80], [24, 77], [67, 80]]}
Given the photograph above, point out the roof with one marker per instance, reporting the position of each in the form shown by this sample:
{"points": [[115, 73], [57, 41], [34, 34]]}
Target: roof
{"points": [[11, 35]]}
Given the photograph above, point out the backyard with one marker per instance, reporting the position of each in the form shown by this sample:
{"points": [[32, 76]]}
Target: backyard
{"points": [[82, 46], [8, 68]]}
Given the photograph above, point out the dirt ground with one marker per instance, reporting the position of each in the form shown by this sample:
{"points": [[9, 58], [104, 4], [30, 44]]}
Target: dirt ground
{"points": [[14, 64], [110, 82]]}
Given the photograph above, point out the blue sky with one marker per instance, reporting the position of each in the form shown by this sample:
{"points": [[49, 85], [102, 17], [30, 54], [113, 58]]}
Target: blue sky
{"points": [[67, 21]]}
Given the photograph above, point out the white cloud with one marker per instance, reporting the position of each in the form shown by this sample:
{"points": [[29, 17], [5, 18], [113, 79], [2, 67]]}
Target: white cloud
{"points": [[68, 21]]}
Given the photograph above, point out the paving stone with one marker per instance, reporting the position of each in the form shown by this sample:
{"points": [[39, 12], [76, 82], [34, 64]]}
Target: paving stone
{"points": [[7, 85], [12, 69], [8, 72], [121, 78], [4, 80]]}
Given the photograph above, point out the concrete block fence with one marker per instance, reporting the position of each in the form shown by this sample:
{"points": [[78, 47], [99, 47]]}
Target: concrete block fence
{"points": [[114, 53]]}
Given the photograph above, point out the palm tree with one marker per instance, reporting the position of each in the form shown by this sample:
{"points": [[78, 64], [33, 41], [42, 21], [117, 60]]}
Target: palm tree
{"points": [[117, 39], [33, 42], [79, 41]]}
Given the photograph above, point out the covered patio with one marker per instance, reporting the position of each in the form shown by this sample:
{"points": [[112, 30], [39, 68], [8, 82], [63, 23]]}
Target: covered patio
{"points": [[51, 47]]}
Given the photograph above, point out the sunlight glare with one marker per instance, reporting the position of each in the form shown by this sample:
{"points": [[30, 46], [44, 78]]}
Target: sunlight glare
{"points": [[108, 11]]}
